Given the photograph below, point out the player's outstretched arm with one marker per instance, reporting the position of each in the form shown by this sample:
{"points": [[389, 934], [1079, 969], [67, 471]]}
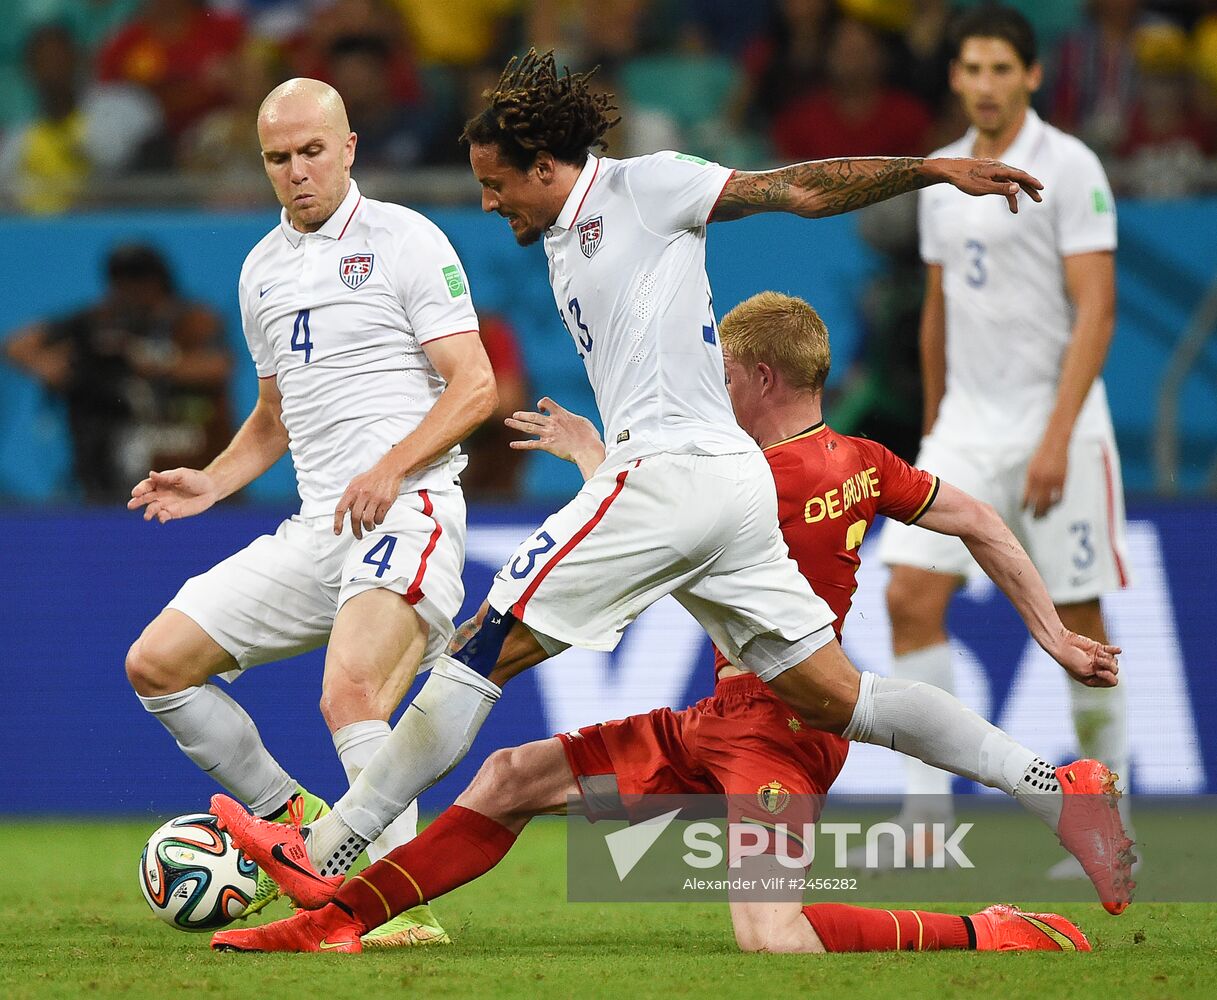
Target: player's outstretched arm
{"points": [[829, 187], [259, 444], [468, 399], [556, 430], [999, 554]]}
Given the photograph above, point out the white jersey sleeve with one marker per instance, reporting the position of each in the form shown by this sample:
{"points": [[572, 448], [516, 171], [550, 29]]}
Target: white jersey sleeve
{"points": [[675, 192], [432, 286], [255, 339], [1085, 208], [930, 244]]}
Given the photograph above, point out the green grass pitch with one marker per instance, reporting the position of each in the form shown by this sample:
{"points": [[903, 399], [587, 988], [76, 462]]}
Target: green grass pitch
{"points": [[73, 924]]}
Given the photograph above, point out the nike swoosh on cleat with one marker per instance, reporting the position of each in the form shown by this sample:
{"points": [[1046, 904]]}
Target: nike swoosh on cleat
{"points": [[280, 855], [1062, 940], [328, 945]]}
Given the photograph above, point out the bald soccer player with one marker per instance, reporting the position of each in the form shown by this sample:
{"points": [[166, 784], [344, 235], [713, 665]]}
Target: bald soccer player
{"points": [[371, 371]]}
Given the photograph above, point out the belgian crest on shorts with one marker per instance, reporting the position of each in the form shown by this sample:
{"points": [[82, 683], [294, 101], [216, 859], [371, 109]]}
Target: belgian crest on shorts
{"points": [[772, 797], [590, 233], [355, 269]]}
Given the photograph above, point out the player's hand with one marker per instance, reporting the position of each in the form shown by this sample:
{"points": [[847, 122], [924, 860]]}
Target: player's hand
{"points": [[978, 177], [558, 431], [1046, 477], [368, 499], [1085, 660], [171, 495]]}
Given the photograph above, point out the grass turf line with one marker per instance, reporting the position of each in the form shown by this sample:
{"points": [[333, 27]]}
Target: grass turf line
{"points": [[73, 924]]}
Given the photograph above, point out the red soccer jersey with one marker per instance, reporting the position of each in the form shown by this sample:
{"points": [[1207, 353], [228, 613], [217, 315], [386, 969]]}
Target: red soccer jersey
{"points": [[830, 490]]}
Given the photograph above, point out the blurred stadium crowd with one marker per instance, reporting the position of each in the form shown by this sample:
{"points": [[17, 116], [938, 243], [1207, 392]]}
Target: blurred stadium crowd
{"points": [[110, 102]]}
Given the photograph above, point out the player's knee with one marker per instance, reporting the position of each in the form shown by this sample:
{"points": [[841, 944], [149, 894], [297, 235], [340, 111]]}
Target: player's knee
{"points": [[152, 670], [502, 782], [351, 699], [748, 936]]}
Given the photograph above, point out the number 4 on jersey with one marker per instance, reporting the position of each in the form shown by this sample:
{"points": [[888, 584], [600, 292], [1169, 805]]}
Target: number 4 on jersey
{"points": [[302, 339]]}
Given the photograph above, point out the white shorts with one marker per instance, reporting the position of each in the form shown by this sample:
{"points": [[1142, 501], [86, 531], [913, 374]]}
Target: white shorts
{"points": [[278, 596], [703, 528], [1078, 546]]}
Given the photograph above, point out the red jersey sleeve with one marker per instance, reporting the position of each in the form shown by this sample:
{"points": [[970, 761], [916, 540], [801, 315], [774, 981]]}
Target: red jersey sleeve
{"points": [[907, 491]]}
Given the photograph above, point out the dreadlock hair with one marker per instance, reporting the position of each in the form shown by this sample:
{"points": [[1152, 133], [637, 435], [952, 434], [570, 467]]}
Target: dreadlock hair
{"points": [[534, 108]]}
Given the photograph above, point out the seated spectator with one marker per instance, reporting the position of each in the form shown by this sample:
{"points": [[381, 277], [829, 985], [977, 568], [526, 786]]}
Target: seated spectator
{"points": [[1166, 139], [391, 134], [1094, 80], [222, 147], [89, 22], [144, 373], [177, 50], [308, 53], [80, 129], [785, 61], [494, 468], [457, 32], [855, 113]]}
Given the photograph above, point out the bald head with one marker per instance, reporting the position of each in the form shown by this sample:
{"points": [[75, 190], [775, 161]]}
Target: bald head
{"points": [[307, 149], [302, 99]]}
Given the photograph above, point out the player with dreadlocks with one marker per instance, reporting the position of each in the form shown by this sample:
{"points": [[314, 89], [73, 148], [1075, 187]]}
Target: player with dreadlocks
{"points": [[684, 501]]}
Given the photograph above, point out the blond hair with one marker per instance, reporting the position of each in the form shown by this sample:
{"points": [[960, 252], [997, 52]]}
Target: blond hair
{"points": [[783, 332]]}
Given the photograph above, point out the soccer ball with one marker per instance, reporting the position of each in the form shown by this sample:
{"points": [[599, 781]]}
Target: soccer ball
{"points": [[192, 875]]}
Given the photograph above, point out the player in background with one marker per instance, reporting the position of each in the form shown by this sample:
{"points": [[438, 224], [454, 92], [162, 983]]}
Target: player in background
{"points": [[1015, 329], [363, 333], [830, 489], [625, 241]]}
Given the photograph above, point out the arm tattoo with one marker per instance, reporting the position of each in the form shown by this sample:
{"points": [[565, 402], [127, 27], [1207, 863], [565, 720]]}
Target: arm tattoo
{"points": [[464, 633], [820, 187]]}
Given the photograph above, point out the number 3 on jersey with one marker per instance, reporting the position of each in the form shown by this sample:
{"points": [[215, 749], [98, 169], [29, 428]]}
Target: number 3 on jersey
{"points": [[583, 340], [977, 272], [302, 338]]}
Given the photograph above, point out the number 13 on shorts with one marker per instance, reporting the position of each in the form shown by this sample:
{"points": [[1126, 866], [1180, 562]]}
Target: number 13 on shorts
{"points": [[526, 561]]}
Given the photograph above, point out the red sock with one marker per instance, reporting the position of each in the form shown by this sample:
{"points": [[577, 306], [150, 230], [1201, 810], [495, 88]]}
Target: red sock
{"points": [[860, 928], [457, 848]]}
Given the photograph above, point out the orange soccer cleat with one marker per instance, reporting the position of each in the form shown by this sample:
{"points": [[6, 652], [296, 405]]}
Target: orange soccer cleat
{"points": [[1007, 928], [278, 849], [1092, 831], [327, 929]]}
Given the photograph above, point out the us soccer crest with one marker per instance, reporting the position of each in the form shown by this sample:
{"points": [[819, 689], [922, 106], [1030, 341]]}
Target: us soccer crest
{"points": [[772, 797], [590, 233], [355, 269]]}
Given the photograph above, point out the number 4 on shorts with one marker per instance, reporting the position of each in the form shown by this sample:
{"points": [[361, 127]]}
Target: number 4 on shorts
{"points": [[386, 545]]}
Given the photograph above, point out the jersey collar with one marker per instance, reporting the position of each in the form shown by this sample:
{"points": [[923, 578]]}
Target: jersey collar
{"points": [[808, 432], [335, 226], [574, 201], [1024, 145]]}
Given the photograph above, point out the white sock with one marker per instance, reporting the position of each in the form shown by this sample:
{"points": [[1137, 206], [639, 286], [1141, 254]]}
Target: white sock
{"points": [[931, 725], [356, 744], [1100, 719], [218, 735], [927, 790], [430, 738]]}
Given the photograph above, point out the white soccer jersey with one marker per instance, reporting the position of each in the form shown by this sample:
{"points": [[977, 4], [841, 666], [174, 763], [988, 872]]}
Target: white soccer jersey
{"points": [[627, 263], [339, 317], [1008, 318]]}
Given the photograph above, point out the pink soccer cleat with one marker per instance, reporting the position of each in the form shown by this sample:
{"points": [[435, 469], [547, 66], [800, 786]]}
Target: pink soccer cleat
{"points": [[279, 850], [1092, 831], [328, 929], [1007, 928]]}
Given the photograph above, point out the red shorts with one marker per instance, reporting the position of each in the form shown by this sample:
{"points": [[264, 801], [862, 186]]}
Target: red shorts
{"points": [[742, 742]]}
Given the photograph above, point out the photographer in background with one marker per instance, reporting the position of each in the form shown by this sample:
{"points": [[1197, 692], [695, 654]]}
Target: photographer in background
{"points": [[144, 373]]}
